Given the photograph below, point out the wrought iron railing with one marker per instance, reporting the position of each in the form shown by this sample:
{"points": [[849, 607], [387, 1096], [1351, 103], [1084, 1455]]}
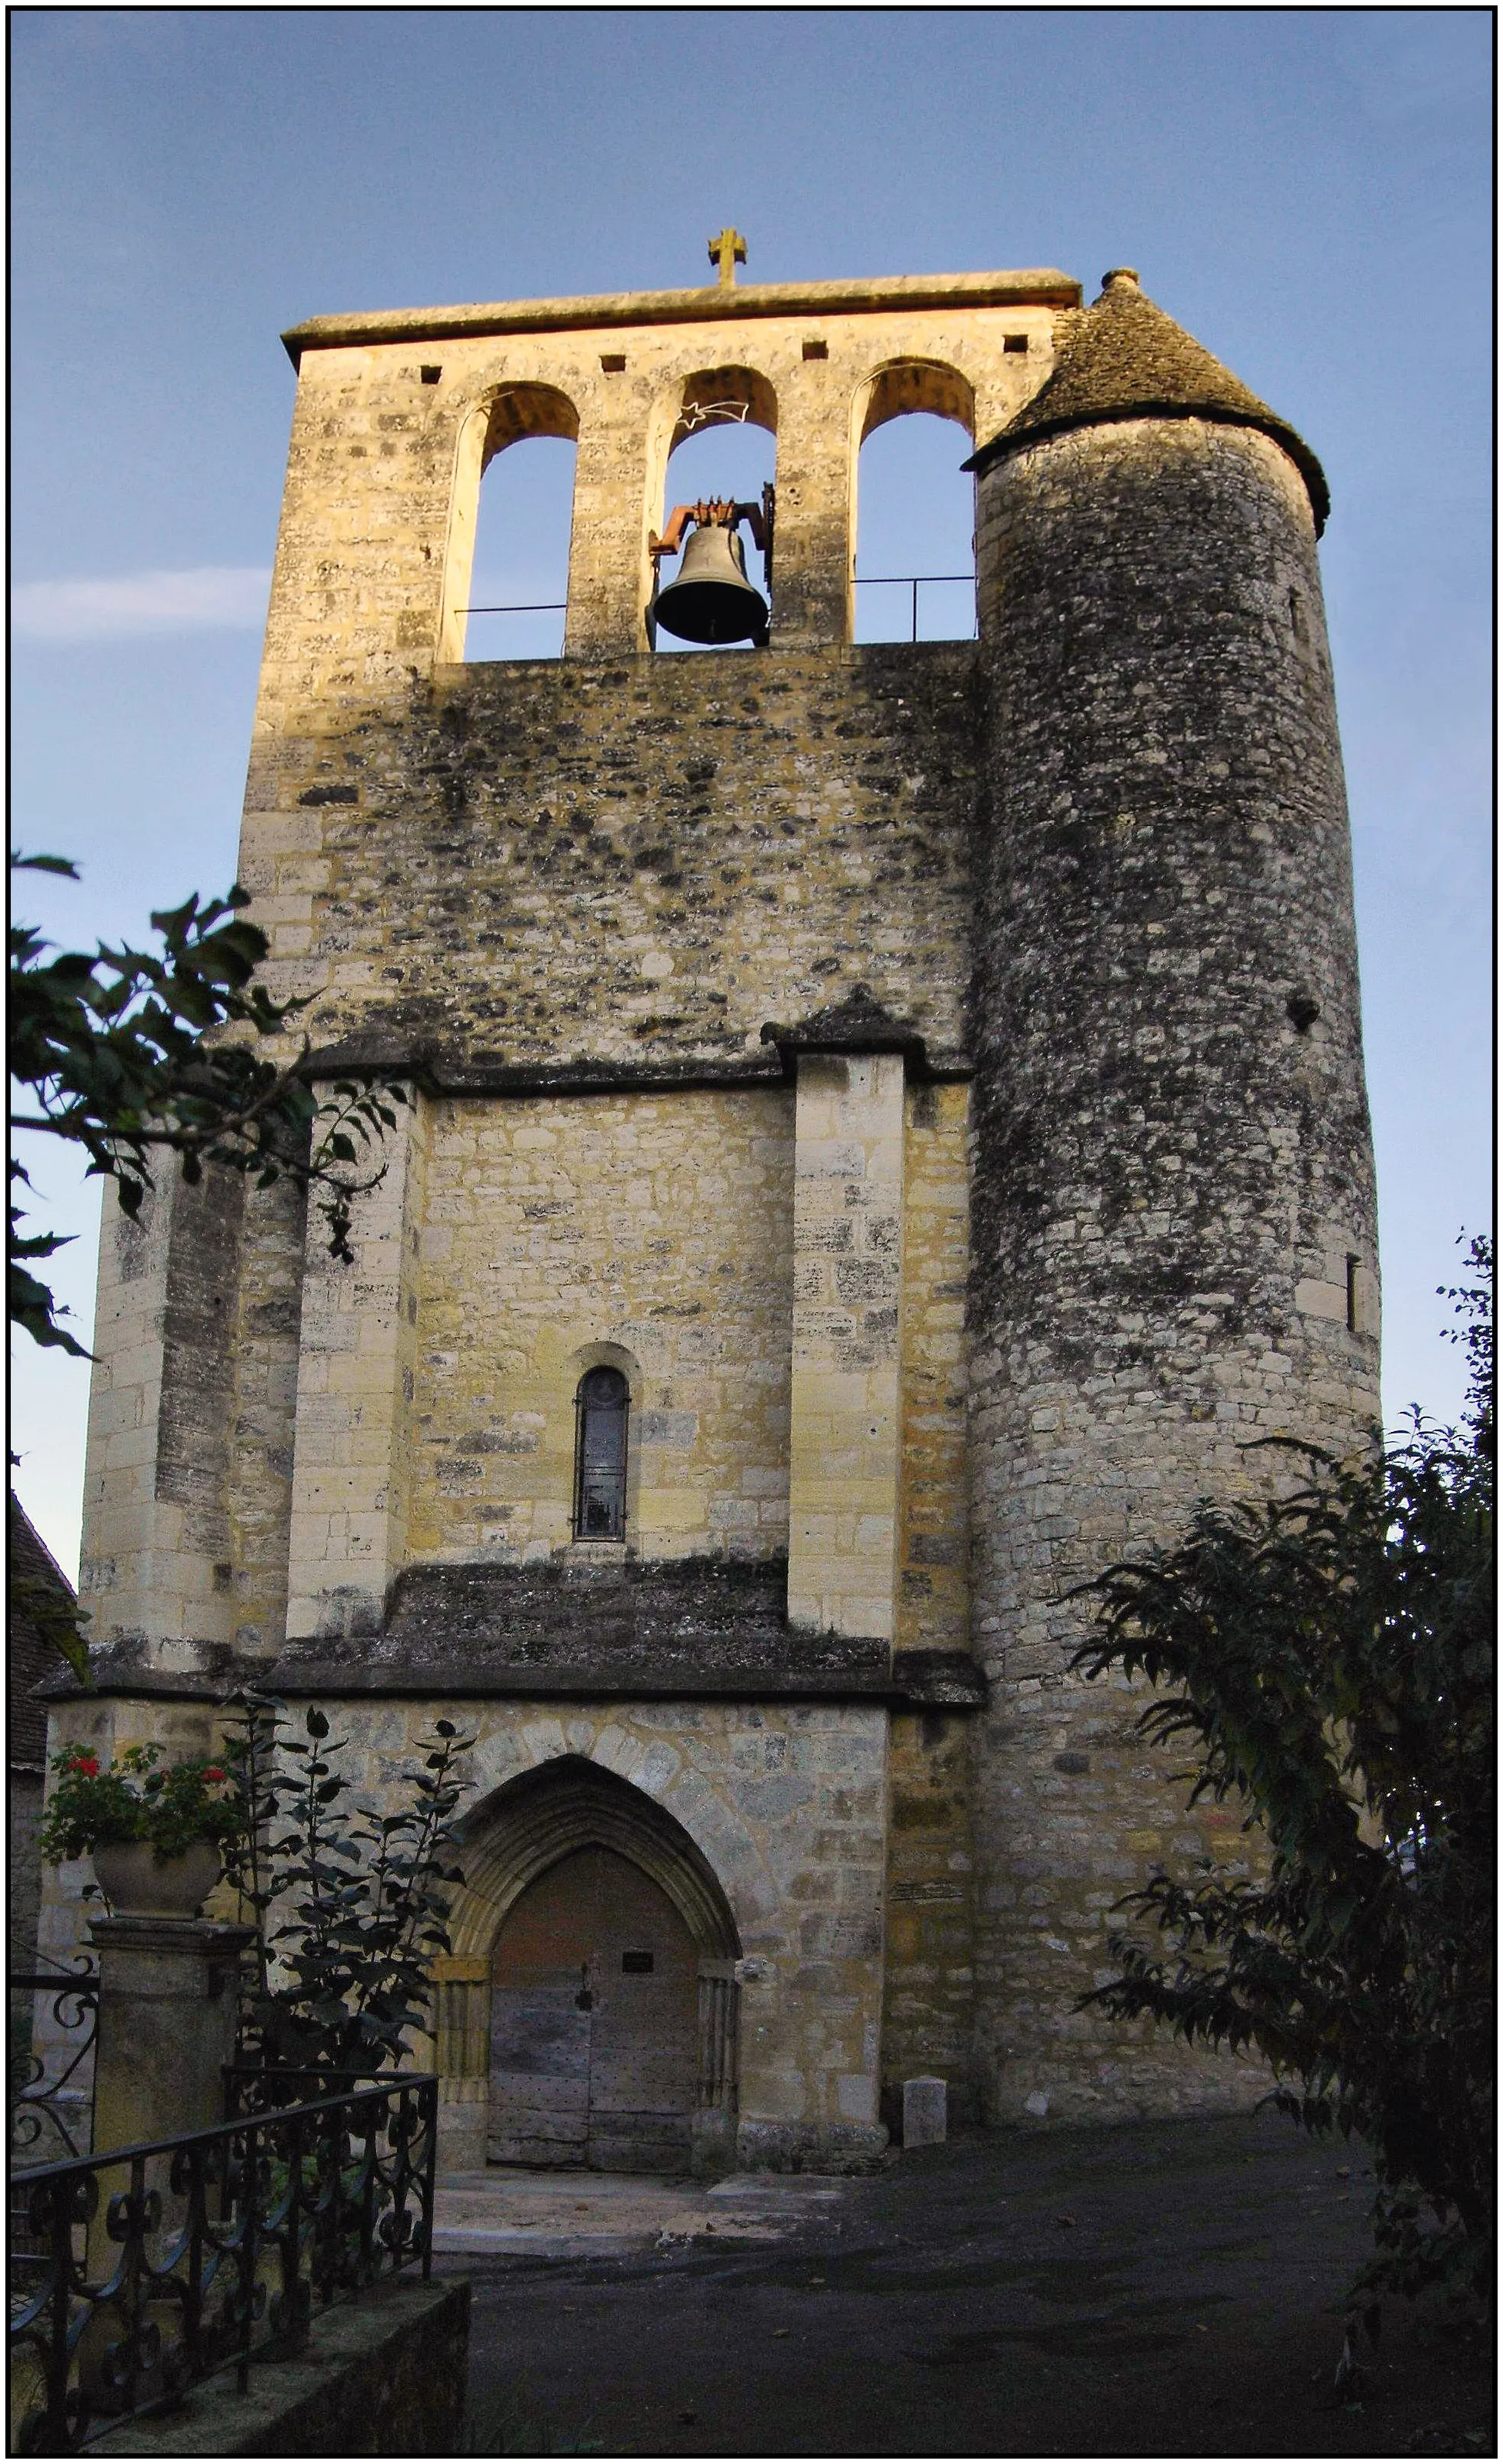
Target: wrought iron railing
{"points": [[51, 2085], [168, 2262]]}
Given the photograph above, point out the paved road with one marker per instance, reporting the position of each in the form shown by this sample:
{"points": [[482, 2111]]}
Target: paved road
{"points": [[1168, 2288]]}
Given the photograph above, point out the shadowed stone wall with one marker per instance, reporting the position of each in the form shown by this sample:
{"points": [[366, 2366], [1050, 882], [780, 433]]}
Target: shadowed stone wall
{"points": [[573, 865], [1172, 1159]]}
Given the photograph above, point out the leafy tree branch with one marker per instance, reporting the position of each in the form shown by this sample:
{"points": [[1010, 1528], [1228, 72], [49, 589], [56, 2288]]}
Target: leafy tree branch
{"points": [[1327, 1659], [134, 1054]]}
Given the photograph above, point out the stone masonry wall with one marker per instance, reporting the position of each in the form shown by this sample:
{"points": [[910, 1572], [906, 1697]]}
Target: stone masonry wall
{"points": [[929, 2010], [933, 1593], [653, 1230], [268, 1326], [785, 1801], [395, 417], [630, 866], [1173, 1199], [156, 1564]]}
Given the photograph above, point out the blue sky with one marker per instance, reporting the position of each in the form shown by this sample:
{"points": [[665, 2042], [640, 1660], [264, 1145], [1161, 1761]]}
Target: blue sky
{"points": [[1308, 192]]}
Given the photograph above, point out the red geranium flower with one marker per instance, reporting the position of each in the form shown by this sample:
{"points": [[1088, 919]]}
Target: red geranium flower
{"points": [[87, 1764], [214, 1772]]}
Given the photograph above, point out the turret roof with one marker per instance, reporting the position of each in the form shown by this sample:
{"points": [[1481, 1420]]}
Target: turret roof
{"points": [[1124, 359]]}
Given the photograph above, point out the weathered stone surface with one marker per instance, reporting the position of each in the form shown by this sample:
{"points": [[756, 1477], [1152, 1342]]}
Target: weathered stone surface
{"points": [[560, 828], [705, 1625], [1163, 1155], [167, 2027], [929, 1073], [385, 2374], [925, 2117]]}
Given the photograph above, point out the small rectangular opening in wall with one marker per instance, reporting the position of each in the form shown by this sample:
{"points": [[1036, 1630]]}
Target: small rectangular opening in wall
{"points": [[612, 362], [1351, 1264], [636, 1963], [1014, 341], [430, 375], [816, 351]]}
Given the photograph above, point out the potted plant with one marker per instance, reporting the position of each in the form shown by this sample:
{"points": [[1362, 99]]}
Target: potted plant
{"points": [[157, 1831]]}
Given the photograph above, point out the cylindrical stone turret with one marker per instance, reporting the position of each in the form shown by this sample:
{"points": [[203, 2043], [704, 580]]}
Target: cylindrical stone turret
{"points": [[1173, 1207]]}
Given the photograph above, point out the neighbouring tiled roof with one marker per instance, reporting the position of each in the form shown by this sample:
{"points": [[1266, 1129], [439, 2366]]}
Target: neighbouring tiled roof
{"points": [[30, 1655], [1124, 359]]}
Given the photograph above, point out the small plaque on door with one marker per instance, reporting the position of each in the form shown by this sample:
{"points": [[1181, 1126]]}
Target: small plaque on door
{"points": [[636, 1963]]}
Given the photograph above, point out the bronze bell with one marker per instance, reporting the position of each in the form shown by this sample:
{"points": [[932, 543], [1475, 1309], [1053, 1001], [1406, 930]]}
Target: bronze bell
{"points": [[711, 598]]}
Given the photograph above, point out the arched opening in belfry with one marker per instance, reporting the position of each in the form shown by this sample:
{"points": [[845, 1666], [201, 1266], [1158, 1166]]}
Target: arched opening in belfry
{"points": [[914, 512], [724, 447], [594, 2003], [520, 573]]}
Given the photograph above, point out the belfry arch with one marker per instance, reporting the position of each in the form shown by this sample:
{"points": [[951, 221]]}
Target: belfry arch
{"points": [[502, 416], [556, 1861], [901, 388], [716, 397], [914, 384]]}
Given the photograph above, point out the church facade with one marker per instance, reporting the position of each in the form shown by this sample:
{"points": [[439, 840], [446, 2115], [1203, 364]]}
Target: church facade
{"points": [[884, 1130]]}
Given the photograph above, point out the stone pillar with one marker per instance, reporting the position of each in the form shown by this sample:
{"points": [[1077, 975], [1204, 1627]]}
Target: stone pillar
{"points": [[847, 1210], [609, 575], [166, 2028], [462, 2058], [355, 1375], [814, 545]]}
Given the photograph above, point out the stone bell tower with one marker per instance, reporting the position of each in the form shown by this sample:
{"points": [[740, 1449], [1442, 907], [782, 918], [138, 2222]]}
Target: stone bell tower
{"points": [[885, 1128]]}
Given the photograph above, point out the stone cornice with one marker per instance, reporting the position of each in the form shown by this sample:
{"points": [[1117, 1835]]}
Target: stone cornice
{"points": [[1037, 287], [371, 1052]]}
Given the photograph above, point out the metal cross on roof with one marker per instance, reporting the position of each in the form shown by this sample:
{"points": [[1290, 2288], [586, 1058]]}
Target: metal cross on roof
{"points": [[728, 250]]}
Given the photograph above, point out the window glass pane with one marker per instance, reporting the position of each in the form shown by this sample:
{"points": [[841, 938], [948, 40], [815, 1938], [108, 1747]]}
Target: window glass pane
{"points": [[600, 1502]]}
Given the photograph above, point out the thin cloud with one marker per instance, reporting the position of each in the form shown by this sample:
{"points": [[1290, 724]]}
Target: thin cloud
{"points": [[228, 595]]}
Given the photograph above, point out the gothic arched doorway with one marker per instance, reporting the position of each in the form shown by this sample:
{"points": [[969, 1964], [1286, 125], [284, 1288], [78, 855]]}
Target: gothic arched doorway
{"points": [[610, 2008]]}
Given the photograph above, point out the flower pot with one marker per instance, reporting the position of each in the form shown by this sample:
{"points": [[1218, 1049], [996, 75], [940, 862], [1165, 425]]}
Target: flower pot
{"points": [[138, 1883]]}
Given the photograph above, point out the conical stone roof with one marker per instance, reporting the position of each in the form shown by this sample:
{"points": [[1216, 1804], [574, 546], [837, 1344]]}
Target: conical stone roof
{"points": [[1124, 359]]}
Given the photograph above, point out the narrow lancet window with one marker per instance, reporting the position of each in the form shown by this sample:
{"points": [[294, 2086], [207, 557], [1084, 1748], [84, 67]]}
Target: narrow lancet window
{"points": [[600, 1480]]}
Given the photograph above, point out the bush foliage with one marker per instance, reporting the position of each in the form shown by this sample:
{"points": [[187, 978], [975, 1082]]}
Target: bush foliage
{"points": [[350, 1904], [123, 1053]]}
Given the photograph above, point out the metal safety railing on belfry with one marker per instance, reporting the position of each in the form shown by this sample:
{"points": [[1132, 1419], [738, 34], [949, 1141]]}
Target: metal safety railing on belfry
{"points": [[910, 582], [211, 2252]]}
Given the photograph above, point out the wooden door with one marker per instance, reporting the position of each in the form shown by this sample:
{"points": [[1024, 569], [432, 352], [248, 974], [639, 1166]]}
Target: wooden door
{"points": [[594, 2007]]}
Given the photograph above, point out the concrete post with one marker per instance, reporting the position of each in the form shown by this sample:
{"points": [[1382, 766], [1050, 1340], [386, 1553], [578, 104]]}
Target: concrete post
{"points": [[167, 2027]]}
